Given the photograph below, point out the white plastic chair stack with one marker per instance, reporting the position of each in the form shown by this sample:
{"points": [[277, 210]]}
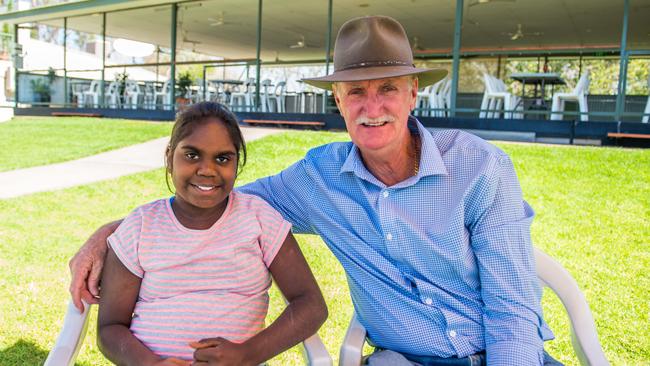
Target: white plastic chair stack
{"points": [[444, 97], [496, 98], [132, 92], [578, 94], [278, 97], [551, 274], [646, 112], [112, 95], [423, 100], [78, 93], [75, 324], [265, 92], [242, 100], [92, 94], [163, 95]]}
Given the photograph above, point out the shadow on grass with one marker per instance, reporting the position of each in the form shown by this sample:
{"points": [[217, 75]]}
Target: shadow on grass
{"points": [[25, 353]]}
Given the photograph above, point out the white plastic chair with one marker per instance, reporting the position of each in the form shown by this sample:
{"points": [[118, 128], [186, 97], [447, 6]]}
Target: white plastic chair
{"points": [[578, 94], [278, 97], [164, 96], [265, 94], [242, 100], [551, 274], [434, 99], [444, 97], [423, 100], [112, 95], [78, 91], [496, 98], [132, 92], [72, 334], [646, 118], [92, 94]]}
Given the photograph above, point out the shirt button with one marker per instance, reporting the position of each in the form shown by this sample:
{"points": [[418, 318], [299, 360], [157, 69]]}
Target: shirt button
{"points": [[428, 301], [389, 236], [386, 194], [452, 333]]}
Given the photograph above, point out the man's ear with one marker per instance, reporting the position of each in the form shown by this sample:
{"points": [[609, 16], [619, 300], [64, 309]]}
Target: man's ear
{"points": [[414, 92]]}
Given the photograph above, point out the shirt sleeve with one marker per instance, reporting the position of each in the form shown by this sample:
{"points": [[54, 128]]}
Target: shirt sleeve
{"points": [[274, 230], [500, 236], [125, 242], [284, 192]]}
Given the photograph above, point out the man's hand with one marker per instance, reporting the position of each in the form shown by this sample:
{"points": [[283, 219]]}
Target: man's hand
{"points": [[86, 266], [220, 351]]}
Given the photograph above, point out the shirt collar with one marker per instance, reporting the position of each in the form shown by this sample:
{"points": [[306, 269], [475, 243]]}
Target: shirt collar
{"points": [[430, 160]]}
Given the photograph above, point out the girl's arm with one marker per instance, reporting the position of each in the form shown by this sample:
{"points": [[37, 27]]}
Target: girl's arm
{"points": [[120, 290], [303, 316]]}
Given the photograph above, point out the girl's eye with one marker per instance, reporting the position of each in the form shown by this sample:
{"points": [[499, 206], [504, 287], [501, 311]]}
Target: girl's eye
{"points": [[222, 159], [191, 155]]}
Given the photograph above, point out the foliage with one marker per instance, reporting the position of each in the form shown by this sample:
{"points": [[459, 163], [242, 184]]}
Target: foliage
{"points": [[592, 209], [184, 82], [53, 140], [121, 79]]}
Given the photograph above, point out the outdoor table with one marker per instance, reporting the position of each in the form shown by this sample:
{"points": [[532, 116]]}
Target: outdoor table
{"points": [[538, 79]]}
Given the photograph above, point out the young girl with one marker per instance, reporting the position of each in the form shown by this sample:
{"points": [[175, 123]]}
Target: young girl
{"points": [[187, 278]]}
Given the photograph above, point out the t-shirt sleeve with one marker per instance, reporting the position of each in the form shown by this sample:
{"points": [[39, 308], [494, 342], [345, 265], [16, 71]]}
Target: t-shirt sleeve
{"points": [[274, 230], [125, 242]]}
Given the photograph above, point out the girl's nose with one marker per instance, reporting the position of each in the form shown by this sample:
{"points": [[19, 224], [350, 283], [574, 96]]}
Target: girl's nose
{"points": [[207, 168]]}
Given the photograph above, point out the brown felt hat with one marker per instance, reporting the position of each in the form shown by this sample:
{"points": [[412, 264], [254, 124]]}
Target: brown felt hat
{"points": [[374, 47]]}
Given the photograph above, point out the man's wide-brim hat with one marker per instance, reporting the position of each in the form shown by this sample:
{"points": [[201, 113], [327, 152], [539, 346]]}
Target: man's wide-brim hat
{"points": [[374, 47]]}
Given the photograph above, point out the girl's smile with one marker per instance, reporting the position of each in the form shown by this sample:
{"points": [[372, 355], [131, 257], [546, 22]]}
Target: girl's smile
{"points": [[203, 169]]}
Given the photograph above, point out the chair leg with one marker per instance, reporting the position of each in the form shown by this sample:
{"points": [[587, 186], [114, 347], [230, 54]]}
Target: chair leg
{"points": [[582, 104], [485, 103], [555, 107]]}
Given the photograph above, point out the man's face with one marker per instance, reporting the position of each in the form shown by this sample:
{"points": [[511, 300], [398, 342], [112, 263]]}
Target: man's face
{"points": [[376, 111]]}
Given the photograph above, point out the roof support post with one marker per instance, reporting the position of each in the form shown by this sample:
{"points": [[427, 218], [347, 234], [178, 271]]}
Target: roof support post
{"points": [[258, 62], [15, 65], [456, 57], [65, 62], [328, 49], [102, 92], [622, 75], [172, 70]]}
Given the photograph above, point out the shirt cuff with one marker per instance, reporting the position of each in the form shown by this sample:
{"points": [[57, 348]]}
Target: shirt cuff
{"points": [[514, 353]]}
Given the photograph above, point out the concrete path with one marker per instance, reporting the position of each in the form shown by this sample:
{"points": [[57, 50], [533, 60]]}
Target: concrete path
{"points": [[108, 165]]}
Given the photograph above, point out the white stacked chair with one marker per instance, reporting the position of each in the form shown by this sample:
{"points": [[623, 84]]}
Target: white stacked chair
{"points": [[265, 92], [278, 98], [242, 100], [92, 94], [578, 94], [496, 98], [132, 93], [112, 95], [423, 100], [163, 95], [646, 112]]}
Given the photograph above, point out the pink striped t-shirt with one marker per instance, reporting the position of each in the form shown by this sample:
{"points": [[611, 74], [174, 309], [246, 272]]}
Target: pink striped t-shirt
{"points": [[200, 283]]}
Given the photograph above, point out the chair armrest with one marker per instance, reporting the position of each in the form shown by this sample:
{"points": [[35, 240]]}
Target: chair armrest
{"points": [[352, 347], [315, 353], [71, 337], [584, 336]]}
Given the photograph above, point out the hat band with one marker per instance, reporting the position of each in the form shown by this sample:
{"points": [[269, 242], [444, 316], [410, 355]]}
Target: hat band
{"points": [[375, 63]]}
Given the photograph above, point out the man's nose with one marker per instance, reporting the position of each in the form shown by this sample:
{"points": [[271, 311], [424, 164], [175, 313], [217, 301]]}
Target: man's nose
{"points": [[374, 106]]}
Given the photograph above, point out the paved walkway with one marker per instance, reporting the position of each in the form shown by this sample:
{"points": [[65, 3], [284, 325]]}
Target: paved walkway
{"points": [[108, 165]]}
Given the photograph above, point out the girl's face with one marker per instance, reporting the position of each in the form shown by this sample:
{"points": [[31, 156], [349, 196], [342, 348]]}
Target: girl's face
{"points": [[204, 167]]}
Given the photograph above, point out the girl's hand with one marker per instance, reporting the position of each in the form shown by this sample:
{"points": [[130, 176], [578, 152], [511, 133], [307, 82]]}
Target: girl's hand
{"points": [[220, 351], [172, 362]]}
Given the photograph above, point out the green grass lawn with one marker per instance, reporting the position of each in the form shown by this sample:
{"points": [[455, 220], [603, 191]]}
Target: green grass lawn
{"points": [[62, 139], [592, 204]]}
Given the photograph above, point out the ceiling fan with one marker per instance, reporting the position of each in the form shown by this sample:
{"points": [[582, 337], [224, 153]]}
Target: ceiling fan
{"points": [[519, 33], [220, 20], [301, 43], [481, 2]]}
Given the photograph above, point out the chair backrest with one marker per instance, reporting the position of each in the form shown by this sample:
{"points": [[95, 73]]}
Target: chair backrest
{"points": [[132, 87], [94, 86], [280, 88], [489, 84], [550, 274], [582, 86], [112, 88]]}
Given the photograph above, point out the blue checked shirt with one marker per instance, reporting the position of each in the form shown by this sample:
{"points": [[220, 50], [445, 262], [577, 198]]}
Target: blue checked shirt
{"points": [[439, 264]]}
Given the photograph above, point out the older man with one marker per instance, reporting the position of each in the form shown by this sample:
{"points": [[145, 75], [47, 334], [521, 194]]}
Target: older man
{"points": [[431, 228]]}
